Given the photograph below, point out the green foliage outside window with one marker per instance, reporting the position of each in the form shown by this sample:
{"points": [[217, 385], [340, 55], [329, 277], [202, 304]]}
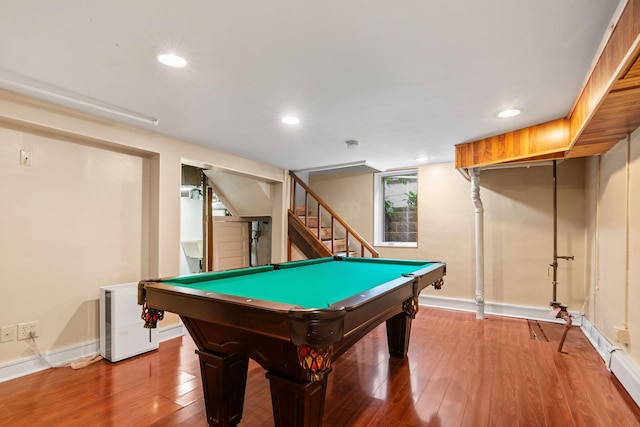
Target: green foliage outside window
{"points": [[412, 199], [389, 210]]}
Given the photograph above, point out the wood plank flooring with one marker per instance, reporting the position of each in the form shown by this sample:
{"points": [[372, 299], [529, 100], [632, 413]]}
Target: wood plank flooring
{"points": [[459, 372]]}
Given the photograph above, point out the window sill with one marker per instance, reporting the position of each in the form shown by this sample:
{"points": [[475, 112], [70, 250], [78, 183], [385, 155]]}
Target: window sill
{"points": [[398, 244]]}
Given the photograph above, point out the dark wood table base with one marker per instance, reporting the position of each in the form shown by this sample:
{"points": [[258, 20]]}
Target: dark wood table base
{"points": [[295, 403]]}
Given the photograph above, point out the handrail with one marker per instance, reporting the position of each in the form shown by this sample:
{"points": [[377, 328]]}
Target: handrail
{"points": [[348, 229]]}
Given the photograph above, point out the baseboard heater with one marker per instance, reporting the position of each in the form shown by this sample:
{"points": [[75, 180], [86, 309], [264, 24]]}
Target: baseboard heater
{"points": [[122, 334]]}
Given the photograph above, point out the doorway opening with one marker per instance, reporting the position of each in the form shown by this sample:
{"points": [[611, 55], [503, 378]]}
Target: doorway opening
{"points": [[213, 235]]}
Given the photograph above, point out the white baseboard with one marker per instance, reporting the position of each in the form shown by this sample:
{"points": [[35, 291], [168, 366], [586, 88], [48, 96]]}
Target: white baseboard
{"points": [[616, 360], [519, 311], [29, 365], [62, 356], [172, 331], [599, 342]]}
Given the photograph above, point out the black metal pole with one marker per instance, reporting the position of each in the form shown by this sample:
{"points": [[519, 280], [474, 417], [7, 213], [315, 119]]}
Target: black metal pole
{"points": [[562, 313], [555, 234]]}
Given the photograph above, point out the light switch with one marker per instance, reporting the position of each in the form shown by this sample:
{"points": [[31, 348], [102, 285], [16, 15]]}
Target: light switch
{"points": [[26, 158]]}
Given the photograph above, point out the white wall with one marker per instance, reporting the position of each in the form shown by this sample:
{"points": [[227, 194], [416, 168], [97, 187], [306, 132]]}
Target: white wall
{"points": [[99, 206], [613, 236], [598, 223], [518, 228], [519, 234], [70, 223]]}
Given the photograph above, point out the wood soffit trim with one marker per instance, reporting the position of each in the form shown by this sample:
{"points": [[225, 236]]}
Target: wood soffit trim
{"points": [[606, 110]]}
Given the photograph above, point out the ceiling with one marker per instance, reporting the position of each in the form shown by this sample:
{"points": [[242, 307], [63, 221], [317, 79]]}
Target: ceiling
{"points": [[407, 79]]}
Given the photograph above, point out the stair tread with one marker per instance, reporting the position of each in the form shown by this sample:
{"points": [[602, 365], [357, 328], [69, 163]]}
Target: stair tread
{"points": [[310, 221]]}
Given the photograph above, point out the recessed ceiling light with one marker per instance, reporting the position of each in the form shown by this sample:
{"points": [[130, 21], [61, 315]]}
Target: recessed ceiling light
{"points": [[422, 159], [172, 60], [508, 113], [290, 120]]}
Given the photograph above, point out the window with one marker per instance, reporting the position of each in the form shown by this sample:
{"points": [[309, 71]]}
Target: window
{"points": [[396, 208]]}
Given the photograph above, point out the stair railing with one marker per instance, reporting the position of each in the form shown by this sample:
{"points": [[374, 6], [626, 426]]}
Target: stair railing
{"points": [[322, 206]]}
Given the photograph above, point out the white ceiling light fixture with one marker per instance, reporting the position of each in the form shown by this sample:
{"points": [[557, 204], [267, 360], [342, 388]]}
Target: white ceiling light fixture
{"points": [[290, 120], [50, 93], [172, 60], [512, 112], [422, 159]]}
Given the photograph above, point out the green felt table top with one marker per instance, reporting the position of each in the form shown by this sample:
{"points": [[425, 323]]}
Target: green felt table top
{"points": [[309, 284]]}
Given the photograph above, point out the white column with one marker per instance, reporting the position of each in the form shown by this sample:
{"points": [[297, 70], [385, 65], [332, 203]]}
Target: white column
{"points": [[479, 234]]}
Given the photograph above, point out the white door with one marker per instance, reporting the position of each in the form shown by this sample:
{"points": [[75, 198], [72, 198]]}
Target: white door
{"points": [[230, 245]]}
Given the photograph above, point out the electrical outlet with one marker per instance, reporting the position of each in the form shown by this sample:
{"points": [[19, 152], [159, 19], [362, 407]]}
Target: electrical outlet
{"points": [[27, 330], [622, 334], [8, 333]]}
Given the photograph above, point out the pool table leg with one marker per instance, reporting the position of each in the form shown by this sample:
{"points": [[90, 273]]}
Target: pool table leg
{"points": [[398, 333], [297, 404], [224, 379]]}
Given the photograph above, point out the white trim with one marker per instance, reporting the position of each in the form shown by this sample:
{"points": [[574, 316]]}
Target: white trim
{"points": [[58, 357], [627, 373], [616, 360], [172, 331], [379, 211], [397, 244], [599, 342], [520, 311], [361, 166], [61, 356]]}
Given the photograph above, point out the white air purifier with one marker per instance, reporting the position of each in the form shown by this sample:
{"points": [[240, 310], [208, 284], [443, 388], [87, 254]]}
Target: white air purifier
{"points": [[122, 331]]}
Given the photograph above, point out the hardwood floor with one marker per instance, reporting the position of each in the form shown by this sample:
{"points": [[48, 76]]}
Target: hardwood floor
{"points": [[459, 372]]}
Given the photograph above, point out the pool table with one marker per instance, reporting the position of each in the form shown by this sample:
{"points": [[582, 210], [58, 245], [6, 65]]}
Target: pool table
{"points": [[293, 319]]}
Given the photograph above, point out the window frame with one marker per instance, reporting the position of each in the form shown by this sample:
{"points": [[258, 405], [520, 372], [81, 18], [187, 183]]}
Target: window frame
{"points": [[379, 211]]}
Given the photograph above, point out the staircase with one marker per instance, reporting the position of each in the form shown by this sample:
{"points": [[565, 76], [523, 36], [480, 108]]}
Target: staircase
{"points": [[317, 231], [337, 246]]}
